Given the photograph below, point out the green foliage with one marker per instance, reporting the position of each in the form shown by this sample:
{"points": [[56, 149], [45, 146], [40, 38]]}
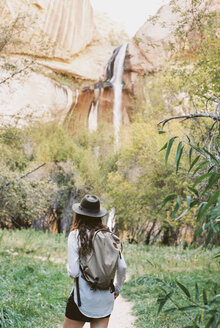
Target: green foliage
{"points": [[175, 278], [12, 148], [205, 188], [34, 285], [90, 155], [66, 80], [80, 161], [137, 40], [141, 182], [202, 312], [196, 75], [196, 50], [132, 180], [193, 72], [23, 201], [53, 144]]}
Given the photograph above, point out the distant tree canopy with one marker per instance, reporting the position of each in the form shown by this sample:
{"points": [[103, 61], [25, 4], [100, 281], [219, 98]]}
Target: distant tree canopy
{"points": [[196, 52]]}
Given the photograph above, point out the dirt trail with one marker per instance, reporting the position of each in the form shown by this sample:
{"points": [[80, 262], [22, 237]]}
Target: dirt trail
{"points": [[121, 316]]}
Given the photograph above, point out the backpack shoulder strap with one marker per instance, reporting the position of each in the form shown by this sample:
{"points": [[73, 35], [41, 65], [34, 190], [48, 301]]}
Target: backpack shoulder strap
{"points": [[77, 291], [99, 230]]}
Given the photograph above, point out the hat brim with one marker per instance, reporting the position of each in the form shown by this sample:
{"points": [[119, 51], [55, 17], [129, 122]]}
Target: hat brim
{"points": [[76, 208]]}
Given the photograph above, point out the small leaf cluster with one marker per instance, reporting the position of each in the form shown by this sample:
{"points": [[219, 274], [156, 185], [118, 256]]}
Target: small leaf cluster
{"points": [[23, 201], [204, 195], [201, 310]]}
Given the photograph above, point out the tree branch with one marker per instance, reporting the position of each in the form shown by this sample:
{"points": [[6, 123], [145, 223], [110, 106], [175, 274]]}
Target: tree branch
{"points": [[15, 73], [30, 172], [23, 176], [214, 117]]}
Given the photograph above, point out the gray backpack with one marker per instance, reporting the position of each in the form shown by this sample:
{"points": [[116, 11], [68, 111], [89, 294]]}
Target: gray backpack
{"points": [[99, 268]]}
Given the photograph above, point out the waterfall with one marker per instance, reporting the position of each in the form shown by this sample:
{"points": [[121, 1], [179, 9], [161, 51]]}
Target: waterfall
{"points": [[93, 113], [116, 66], [114, 70], [111, 219], [110, 66]]}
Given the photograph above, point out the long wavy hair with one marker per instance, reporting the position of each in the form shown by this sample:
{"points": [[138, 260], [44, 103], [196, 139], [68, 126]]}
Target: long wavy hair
{"points": [[86, 224]]}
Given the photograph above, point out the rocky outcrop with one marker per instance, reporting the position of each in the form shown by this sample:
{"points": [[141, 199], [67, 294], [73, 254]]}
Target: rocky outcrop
{"points": [[149, 48], [49, 28], [64, 35], [105, 99], [30, 96], [91, 62], [152, 40], [68, 38], [59, 37]]}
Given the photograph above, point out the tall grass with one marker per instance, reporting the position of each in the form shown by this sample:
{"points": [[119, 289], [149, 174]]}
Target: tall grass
{"points": [[155, 269], [34, 285]]}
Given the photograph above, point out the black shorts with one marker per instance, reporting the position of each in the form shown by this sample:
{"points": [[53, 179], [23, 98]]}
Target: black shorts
{"points": [[73, 313]]}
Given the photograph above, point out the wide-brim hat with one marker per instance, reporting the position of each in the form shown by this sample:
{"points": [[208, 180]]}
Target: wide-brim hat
{"points": [[90, 206]]}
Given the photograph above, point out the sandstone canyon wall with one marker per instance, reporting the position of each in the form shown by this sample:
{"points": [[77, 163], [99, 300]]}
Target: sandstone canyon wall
{"points": [[52, 37], [52, 29], [66, 37], [149, 48]]}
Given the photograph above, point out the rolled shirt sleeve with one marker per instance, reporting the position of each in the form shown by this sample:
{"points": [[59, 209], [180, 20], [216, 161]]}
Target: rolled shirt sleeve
{"points": [[73, 256]]}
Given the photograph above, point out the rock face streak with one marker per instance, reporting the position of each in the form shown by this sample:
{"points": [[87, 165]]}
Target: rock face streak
{"points": [[69, 25], [49, 28]]}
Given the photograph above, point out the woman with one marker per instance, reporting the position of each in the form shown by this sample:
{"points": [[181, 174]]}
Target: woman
{"points": [[93, 305]]}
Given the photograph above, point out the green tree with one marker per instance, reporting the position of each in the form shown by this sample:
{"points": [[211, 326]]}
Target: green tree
{"points": [[139, 185], [196, 61]]}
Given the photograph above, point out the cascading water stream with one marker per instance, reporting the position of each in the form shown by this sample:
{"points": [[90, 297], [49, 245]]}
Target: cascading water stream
{"points": [[115, 70], [116, 81]]}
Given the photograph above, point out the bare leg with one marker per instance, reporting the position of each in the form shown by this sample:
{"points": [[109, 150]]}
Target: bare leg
{"points": [[72, 323], [99, 323]]}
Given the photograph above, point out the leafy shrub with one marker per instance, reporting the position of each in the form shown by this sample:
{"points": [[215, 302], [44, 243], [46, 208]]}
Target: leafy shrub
{"points": [[23, 201], [201, 310]]}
